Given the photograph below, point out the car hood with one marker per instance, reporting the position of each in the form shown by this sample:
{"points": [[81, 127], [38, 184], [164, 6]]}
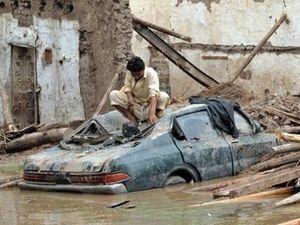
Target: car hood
{"points": [[84, 160]]}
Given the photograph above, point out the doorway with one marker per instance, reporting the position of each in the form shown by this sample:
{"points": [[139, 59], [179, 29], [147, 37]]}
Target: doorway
{"points": [[24, 106]]}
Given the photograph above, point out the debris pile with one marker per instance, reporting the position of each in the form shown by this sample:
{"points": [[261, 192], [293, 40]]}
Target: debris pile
{"points": [[276, 112], [281, 168], [230, 91]]}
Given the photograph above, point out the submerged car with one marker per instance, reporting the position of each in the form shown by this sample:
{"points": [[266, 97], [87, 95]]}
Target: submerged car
{"points": [[183, 146]]}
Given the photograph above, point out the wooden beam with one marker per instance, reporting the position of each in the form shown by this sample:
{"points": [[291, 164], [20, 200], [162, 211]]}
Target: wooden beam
{"points": [[269, 164], [161, 29], [258, 47], [290, 200], [291, 147], [260, 184], [291, 222], [179, 60]]}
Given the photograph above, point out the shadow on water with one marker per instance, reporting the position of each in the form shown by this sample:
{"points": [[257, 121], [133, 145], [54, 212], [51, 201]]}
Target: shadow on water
{"points": [[175, 205]]}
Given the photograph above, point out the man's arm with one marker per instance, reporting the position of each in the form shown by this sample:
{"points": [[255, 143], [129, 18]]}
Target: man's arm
{"points": [[153, 91], [128, 90], [131, 101], [152, 114]]}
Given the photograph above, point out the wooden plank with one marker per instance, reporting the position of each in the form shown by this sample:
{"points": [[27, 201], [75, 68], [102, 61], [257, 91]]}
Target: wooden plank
{"points": [[260, 184], [179, 60], [269, 164], [161, 29], [291, 147], [290, 137], [291, 222], [290, 200], [292, 130]]}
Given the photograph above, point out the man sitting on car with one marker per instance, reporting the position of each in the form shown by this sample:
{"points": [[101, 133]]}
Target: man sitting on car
{"points": [[140, 98]]}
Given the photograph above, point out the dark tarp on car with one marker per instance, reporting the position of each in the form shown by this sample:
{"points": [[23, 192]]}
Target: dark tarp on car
{"points": [[222, 112]]}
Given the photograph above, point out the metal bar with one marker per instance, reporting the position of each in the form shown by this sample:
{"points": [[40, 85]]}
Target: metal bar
{"points": [[179, 60]]}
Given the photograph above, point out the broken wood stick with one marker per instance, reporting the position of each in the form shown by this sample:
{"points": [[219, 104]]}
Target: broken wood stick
{"points": [[258, 47], [105, 96], [290, 200], [290, 137], [161, 29], [118, 204], [272, 163], [28, 141]]}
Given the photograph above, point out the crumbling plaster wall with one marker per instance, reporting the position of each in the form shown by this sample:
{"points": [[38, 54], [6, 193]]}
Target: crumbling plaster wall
{"points": [[218, 26], [89, 40]]}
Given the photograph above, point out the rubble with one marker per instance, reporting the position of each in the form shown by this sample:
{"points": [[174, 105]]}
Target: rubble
{"points": [[276, 112]]}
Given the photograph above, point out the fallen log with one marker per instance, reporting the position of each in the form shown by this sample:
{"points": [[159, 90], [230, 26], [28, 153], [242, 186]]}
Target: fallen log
{"points": [[290, 200], [28, 141], [272, 163], [259, 184]]}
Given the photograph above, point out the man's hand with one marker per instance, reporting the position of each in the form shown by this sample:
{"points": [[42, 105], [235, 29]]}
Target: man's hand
{"points": [[152, 119]]}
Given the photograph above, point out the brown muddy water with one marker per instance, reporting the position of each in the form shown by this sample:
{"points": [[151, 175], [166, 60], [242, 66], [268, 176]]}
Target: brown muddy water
{"points": [[175, 205]]}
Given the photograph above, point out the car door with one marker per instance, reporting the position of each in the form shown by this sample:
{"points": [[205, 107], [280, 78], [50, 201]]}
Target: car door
{"points": [[250, 145], [201, 145]]}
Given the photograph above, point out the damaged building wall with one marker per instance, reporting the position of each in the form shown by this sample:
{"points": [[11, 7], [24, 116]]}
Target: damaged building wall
{"points": [[223, 34], [78, 47]]}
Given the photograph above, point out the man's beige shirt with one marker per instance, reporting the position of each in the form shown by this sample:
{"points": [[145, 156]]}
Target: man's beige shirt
{"points": [[144, 88]]}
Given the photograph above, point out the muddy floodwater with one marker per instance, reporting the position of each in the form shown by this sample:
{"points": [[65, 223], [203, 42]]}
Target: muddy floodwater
{"points": [[175, 205]]}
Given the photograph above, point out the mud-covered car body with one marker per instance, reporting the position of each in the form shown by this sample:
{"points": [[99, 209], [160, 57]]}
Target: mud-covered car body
{"points": [[183, 144]]}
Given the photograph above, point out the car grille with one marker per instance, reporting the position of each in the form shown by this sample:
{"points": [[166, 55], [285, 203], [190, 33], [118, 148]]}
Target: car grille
{"points": [[75, 178]]}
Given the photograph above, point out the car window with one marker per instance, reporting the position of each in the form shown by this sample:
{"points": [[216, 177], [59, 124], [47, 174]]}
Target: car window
{"points": [[242, 124], [196, 126]]}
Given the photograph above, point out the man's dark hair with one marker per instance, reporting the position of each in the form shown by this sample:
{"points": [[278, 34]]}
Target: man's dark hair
{"points": [[135, 64]]}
